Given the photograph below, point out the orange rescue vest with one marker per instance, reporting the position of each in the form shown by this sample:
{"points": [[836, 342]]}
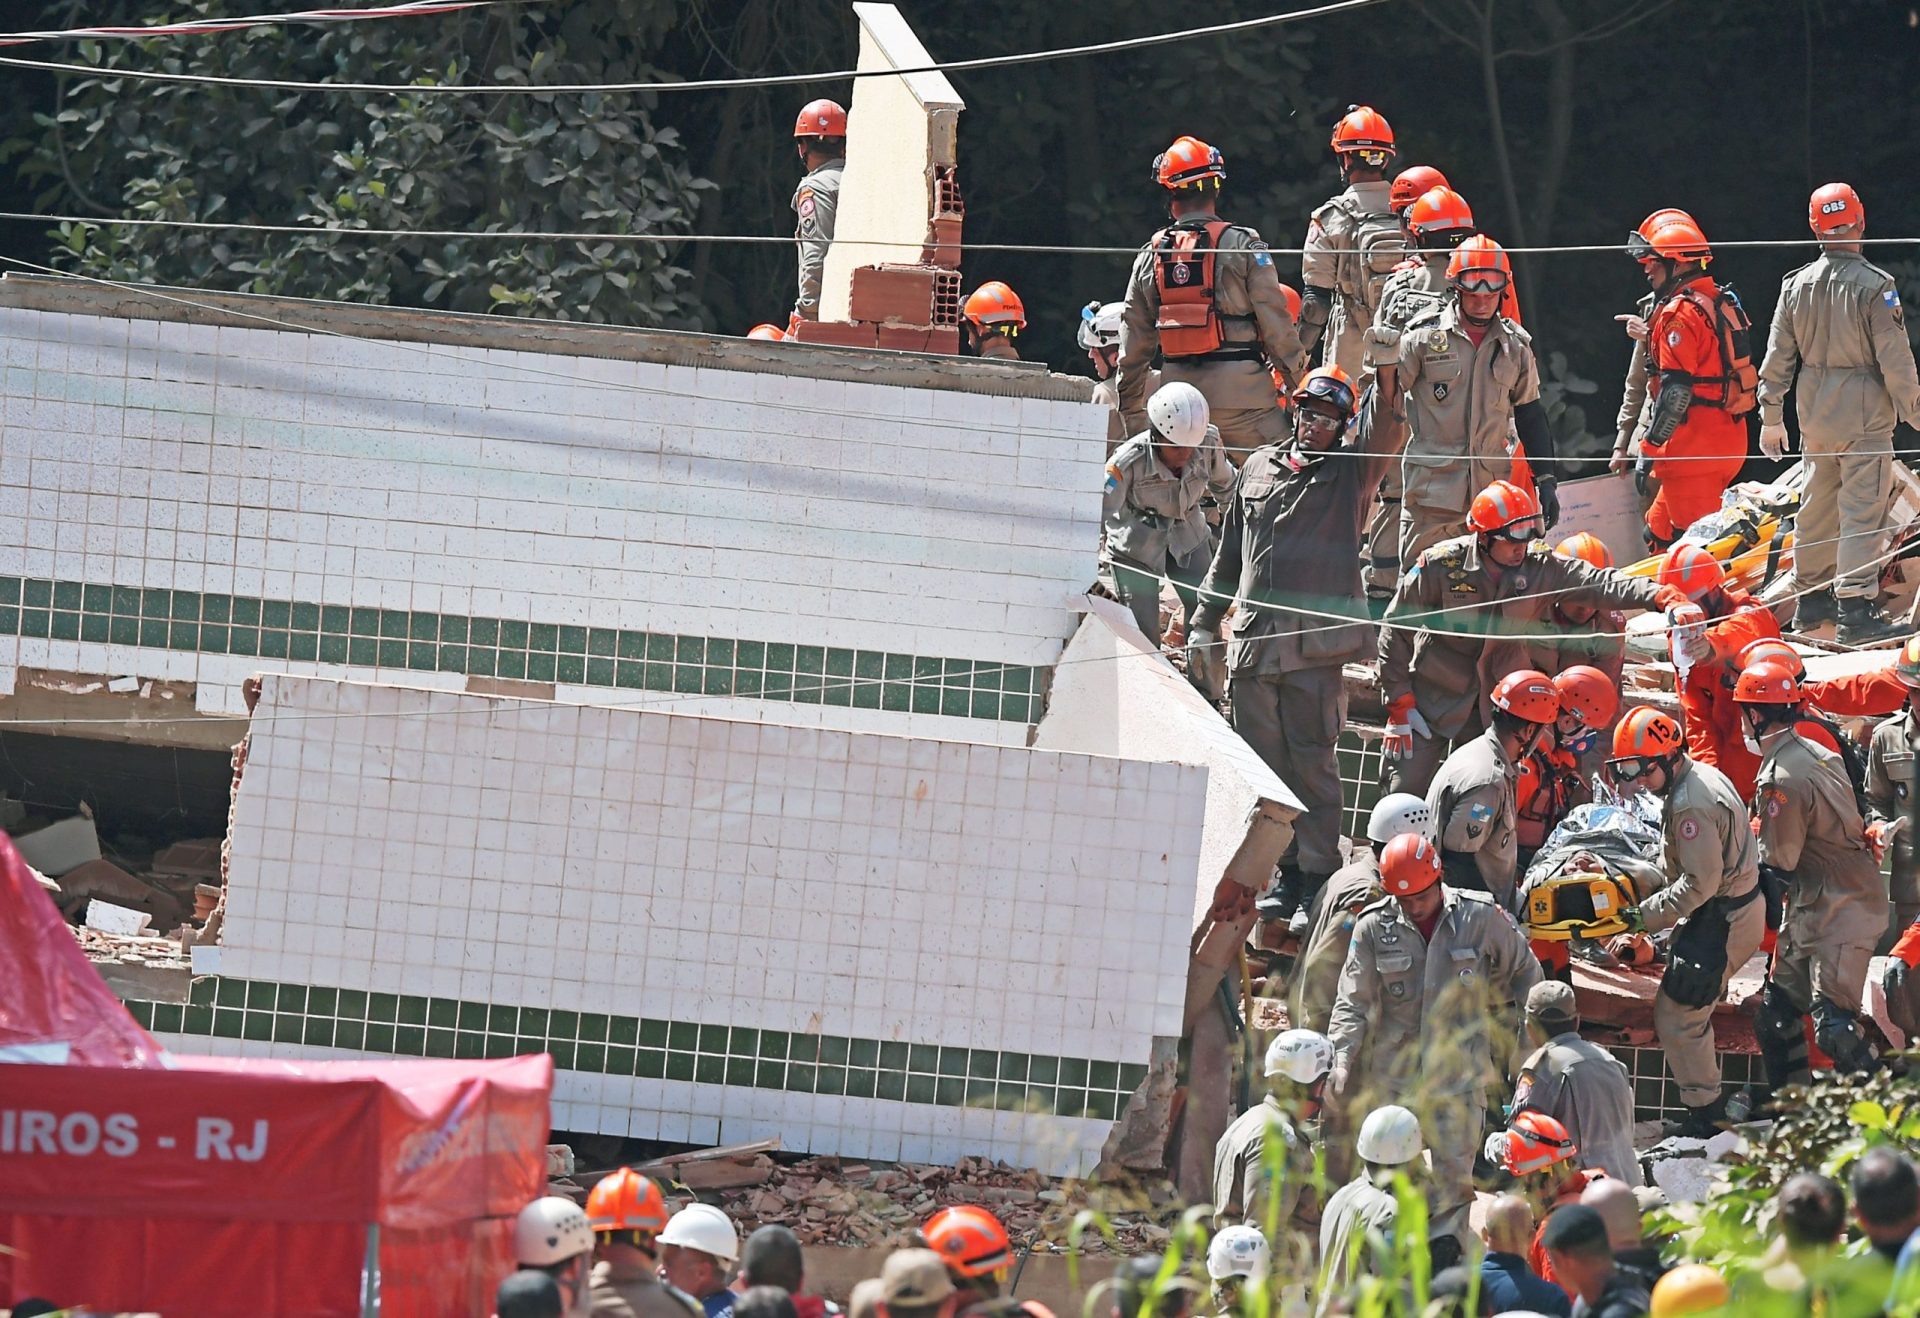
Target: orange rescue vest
{"points": [[1183, 267], [1739, 380]]}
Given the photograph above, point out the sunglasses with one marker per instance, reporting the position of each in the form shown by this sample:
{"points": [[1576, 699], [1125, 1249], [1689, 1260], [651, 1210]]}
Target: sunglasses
{"points": [[1482, 281], [1520, 533], [1629, 769]]}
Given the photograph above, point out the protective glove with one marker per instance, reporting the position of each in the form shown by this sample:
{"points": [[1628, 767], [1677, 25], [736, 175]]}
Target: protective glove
{"points": [[1403, 724], [1548, 486], [1636, 922], [1337, 1079], [1773, 440], [1687, 634], [1206, 662], [1635, 326], [1382, 347], [1642, 476], [1894, 981], [1495, 1149], [1880, 835]]}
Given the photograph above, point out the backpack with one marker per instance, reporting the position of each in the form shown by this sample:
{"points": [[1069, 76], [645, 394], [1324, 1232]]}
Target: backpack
{"points": [[1189, 322], [1378, 248], [1739, 380]]}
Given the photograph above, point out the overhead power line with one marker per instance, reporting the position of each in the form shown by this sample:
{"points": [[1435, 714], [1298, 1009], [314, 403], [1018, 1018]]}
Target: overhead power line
{"points": [[214, 26], [707, 84]]}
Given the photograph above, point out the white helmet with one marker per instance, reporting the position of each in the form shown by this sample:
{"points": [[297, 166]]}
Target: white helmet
{"points": [[1398, 813], [1302, 1056], [705, 1228], [1389, 1136], [1239, 1251], [1178, 413], [549, 1231], [1100, 324]]}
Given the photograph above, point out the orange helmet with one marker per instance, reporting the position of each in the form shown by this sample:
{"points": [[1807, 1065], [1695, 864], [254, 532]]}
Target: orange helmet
{"points": [[1439, 210], [1771, 649], [1689, 1289], [1409, 864], [993, 303], [1587, 547], [1907, 667], [1768, 682], [821, 118], [1364, 131], [1637, 245], [626, 1201], [1533, 1142], [1588, 694], [772, 333], [1645, 731], [1690, 570], [1500, 505], [970, 1240], [1327, 384], [1480, 262], [1834, 206], [1188, 163], [1528, 695], [1678, 240], [1292, 295], [1410, 182]]}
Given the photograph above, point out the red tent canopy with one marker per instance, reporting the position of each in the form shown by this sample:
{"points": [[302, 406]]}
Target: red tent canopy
{"points": [[131, 1179]]}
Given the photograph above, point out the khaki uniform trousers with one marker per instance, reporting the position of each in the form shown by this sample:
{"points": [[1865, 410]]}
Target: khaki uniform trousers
{"points": [[1843, 515], [1292, 720], [1686, 1033], [1422, 527]]}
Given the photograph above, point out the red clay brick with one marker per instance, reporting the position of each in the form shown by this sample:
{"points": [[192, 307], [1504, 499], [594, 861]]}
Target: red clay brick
{"points": [[894, 294], [839, 333]]}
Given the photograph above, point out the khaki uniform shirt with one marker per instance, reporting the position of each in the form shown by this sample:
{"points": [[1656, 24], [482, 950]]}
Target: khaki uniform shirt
{"points": [[1839, 325], [1240, 1181], [1330, 259], [1107, 394], [1632, 421], [1460, 403], [814, 203], [1336, 908], [1709, 845], [1477, 623], [1410, 1010], [1253, 311], [1472, 800], [1291, 535], [1810, 828], [1890, 785], [1152, 511], [1586, 1089], [1356, 1208], [642, 1298]]}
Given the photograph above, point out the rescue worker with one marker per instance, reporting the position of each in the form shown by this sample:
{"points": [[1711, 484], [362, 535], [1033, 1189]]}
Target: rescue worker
{"points": [[1701, 379], [1153, 521], [1598, 636], [1099, 335], [1296, 1067], [1901, 982], [627, 1213], [1812, 837], [1813, 724], [1472, 794], [973, 1244], [1577, 1083], [1734, 619], [1409, 183], [1471, 381], [1544, 1160], [1237, 1257], [1204, 294], [1713, 897], [551, 1235], [1630, 425], [1439, 654], [994, 316], [1353, 241], [698, 1251], [1876, 692], [1890, 787], [771, 333], [1840, 336], [1289, 560], [820, 140], [1548, 782], [1358, 1223], [1428, 967]]}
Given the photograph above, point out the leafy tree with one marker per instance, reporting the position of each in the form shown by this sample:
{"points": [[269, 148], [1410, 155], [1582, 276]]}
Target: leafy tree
{"points": [[539, 162]]}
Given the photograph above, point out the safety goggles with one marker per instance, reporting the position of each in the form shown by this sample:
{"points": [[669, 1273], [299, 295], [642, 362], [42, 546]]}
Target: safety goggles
{"points": [[1332, 392], [1639, 248], [1523, 532], [1626, 770], [1482, 281], [1313, 416]]}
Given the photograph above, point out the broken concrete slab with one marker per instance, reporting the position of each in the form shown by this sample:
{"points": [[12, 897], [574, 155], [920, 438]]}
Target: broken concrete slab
{"points": [[105, 880], [112, 919], [60, 847]]}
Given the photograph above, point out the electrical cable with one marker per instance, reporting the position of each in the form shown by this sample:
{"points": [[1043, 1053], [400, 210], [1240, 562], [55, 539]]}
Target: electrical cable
{"points": [[211, 26]]}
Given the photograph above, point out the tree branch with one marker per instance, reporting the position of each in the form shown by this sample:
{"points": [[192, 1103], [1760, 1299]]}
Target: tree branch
{"points": [[1422, 10]]}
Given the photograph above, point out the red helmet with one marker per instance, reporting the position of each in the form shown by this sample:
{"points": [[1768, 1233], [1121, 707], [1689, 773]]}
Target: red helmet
{"points": [[1500, 505], [1187, 163], [1646, 732], [1534, 1142], [821, 118], [1528, 695], [1410, 182], [1768, 682], [1292, 295], [772, 333], [1834, 206], [1588, 694], [1678, 240], [1364, 130], [1409, 864], [969, 1239], [1690, 570], [1587, 547], [1438, 210], [626, 1201], [1327, 384], [1480, 260], [993, 303], [1771, 649]]}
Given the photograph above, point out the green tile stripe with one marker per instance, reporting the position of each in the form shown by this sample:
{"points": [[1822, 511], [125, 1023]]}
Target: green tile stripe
{"points": [[626, 1045], [522, 650]]}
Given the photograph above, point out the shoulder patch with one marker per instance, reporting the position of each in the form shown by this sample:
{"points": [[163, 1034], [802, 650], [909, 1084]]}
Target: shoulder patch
{"points": [[1689, 828], [1113, 477], [805, 204], [1480, 810], [1891, 297]]}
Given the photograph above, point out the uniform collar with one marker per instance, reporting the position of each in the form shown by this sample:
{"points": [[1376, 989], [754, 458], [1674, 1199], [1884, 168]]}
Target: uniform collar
{"points": [[1376, 195], [838, 162], [1492, 735], [1833, 254]]}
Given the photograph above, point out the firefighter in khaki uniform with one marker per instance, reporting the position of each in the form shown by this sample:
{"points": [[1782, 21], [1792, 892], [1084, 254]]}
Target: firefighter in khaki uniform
{"points": [[1472, 794], [1353, 242], [1813, 840], [1470, 379], [1890, 788], [1416, 1015], [820, 140], [1839, 340], [1205, 294], [1712, 900]]}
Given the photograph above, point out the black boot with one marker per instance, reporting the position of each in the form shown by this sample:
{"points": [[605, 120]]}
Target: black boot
{"points": [[1863, 623], [1283, 898], [1814, 609], [1310, 886], [1700, 1122]]}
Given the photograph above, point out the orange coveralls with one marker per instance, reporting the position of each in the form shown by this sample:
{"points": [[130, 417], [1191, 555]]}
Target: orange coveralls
{"points": [[1707, 451], [1707, 710]]}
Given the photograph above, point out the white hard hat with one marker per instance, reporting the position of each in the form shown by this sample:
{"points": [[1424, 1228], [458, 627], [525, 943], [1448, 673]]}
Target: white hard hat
{"points": [[705, 1228], [549, 1231], [1178, 413], [1302, 1056], [1239, 1251], [1397, 813], [1100, 324], [1389, 1136]]}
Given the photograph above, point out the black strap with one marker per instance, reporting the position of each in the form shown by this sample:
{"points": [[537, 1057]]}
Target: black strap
{"points": [[1249, 353]]}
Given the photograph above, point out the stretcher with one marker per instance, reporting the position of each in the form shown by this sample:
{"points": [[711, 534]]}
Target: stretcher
{"points": [[1578, 904]]}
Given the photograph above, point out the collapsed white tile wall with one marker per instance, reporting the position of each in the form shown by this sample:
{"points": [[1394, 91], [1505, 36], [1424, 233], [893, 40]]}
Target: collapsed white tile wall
{"points": [[1019, 911]]}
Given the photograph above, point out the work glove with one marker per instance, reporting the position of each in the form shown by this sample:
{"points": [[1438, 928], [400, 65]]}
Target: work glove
{"points": [[1548, 486], [1636, 922], [1403, 724], [1382, 347], [1894, 980], [1687, 634], [1206, 662], [1337, 1079], [1773, 440], [1642, 476], [1880, 836], [1635, 326]]}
